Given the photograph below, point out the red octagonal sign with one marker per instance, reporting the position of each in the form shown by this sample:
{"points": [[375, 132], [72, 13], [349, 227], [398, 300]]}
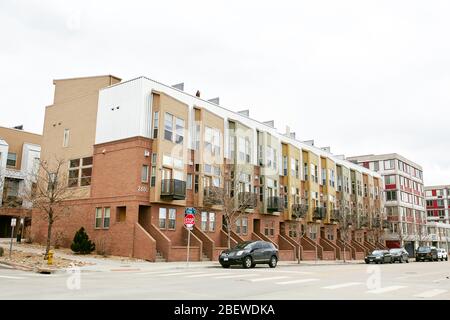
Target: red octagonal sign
{"points": [[189, 220]]}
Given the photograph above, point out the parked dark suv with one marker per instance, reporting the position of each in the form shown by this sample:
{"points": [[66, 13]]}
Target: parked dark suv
{"points": [[379, 256], [399, 254], [250, 253], [427, 253]]}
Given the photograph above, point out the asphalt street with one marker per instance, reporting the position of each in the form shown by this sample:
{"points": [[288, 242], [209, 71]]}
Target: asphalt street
{"points": [[415, 280]]}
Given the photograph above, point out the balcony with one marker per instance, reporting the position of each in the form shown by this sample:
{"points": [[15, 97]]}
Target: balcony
{"points": [[335, 214], [247, 200], [172, 189], [213, 196], [299, 210], [363, 222], [12, 202], [319, 213], [274, 204]]}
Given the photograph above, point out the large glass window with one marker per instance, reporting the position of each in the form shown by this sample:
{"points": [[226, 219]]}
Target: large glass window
{"points": [[107, 217], [155, 124], [168, 126], [98, 217], [144, 173], [162, 218], [389, 164], [179, 126], [172, 218]]}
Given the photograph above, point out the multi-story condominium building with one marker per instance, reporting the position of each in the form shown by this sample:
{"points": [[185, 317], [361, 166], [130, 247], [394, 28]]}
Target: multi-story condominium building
{"points": [[19, 151], [438, 207], [140, 152], [405, 198], [438, 203]]}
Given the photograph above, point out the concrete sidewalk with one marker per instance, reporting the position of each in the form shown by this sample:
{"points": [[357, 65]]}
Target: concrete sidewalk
{"points": [[108, 264]]}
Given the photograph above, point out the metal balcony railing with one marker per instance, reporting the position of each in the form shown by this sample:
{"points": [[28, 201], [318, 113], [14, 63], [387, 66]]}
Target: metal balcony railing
{"points": [[274, 204], [299, 210], [213, 196], [12, 202], [247, 200], [173, 189], [319, 213]]}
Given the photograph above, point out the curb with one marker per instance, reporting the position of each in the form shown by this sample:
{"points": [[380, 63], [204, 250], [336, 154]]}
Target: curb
{"points": [[17, 266]]}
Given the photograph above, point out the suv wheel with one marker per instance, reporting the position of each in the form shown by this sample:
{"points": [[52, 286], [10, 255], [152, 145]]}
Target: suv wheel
{"points": [[253, 265], [247, 262], [273, 262], [225, 266]]}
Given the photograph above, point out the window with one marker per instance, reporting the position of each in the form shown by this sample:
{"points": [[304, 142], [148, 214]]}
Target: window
{"points": [[285, 165], [155, 124], [144, 173], [332, 179], [179, 133], [11, 159], [98, 218], [168, 126], [172, 218], [388, 164], [106, 218], [74, 168], [204, 220], [389, 179], [324, 176], [293, 172], [305, 171], [162, 218], [66, 138], [269, 228], [189, 181], [212, 221], [153, 177], [86, 171], [391, 195], [297, 166]]}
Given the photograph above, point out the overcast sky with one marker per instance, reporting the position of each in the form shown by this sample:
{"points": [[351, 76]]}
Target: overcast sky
{"points": [[359, 76]]}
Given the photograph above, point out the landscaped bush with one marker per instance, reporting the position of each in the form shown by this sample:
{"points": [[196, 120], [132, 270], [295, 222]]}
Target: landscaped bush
{"points": [[81, 243]]}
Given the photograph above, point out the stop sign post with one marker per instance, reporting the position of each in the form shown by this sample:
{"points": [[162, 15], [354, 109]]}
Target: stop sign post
{"points": [[189, 222]]}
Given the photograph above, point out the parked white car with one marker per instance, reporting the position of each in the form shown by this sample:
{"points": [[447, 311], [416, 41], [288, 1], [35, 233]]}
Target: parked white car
{"points": [[442, 254]]}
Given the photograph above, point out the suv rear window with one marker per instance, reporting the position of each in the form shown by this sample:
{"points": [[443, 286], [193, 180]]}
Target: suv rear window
{"points": [[424, 249]]}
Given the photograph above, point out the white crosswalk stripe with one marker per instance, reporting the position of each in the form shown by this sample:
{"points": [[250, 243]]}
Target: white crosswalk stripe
{"points": [[385, 289], [176, 274], [343, 285], [267, 279], [157, 272], [297, 281], [10, 277], [237, 276], [206, 275], [430, 293]]}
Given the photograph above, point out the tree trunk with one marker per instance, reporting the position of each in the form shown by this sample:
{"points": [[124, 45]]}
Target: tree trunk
{"points": [[49, 234], [229, 236]]}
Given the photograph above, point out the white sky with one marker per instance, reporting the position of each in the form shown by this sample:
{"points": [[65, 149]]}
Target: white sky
{"points": [[359, 76]]}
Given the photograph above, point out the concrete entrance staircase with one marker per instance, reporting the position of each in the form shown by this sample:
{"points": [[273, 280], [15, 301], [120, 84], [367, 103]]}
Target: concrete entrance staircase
{"points": [[159, 257]]}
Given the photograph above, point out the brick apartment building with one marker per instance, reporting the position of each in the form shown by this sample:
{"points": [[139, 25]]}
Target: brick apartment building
{"points": [[18, 153], [404, 196], [139, 152]]}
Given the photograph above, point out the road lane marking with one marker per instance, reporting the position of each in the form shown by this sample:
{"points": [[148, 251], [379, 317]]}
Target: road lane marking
{"points": [[237, 276], [343, 285], [268, 279], [176, 274], [297, 281], [156, 272], [206, 275], [430, 293], [9, 277], [386, 289]]}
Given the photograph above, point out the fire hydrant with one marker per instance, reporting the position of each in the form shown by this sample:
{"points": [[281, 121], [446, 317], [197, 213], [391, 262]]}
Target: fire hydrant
{"points": [[50, 257]]}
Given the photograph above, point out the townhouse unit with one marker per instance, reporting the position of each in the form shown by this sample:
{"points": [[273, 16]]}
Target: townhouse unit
{"points": [[140, 152], [19, 154], [405, 198]]}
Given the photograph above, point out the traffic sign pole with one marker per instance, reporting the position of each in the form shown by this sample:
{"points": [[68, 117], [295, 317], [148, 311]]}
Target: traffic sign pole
{"points": [[188, 245], [13, 224]]}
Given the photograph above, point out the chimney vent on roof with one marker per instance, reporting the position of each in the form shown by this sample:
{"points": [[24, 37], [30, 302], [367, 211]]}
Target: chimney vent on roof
{"points": [[309, 142], [292, 135], [245, 112], [327, 149], [197, 94], [270, 123], [214, 100], [18, 127], [179, 86]]}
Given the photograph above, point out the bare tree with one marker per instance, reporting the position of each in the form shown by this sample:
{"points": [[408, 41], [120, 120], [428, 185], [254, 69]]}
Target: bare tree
{"points": [[231, 198], [49, 193], [346, 220]]}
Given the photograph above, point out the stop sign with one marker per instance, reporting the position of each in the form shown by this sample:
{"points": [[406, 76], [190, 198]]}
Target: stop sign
{"points": [[189, 220]]}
